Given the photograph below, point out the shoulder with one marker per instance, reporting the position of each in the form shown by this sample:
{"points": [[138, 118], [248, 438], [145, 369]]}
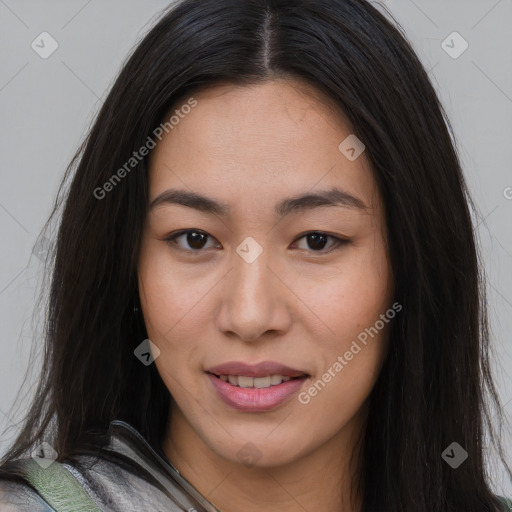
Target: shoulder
{"points": [[125, 474], [17, 496], [111, 485]]}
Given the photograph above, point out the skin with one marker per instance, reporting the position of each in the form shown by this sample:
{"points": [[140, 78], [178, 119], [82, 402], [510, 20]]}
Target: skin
{"points": [[250, 147]]}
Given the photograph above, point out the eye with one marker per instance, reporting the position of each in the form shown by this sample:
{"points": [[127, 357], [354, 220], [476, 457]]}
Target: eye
{"points": [[318, 239], [195, 239]]}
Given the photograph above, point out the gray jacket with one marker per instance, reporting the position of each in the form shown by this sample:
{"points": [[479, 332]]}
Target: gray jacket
{"points": [[114, 487]]}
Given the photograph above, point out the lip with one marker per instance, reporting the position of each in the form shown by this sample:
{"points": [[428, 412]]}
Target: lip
{"points": [[255, 399], [255, 370]]}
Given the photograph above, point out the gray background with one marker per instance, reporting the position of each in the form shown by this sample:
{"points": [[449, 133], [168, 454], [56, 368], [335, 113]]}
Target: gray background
{"points": [[48, 104]]}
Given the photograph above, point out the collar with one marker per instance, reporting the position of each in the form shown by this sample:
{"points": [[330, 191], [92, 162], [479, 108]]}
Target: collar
{"points": [[126, 440]]}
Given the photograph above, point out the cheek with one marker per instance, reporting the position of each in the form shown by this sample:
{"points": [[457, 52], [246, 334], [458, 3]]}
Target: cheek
{"points": [[168, 309], [171, 294], [353, 348], [352, 298], [176, 305]]}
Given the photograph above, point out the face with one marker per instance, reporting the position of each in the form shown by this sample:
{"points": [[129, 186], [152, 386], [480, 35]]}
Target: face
{"points": [[255, 274]]}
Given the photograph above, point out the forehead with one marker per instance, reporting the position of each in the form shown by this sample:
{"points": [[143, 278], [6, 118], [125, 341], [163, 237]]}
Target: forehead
{"points": [[259, 140], [286, 91]]}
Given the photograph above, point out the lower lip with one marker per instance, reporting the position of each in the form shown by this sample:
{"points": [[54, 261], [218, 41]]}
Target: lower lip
{"points": [[255, 399]]}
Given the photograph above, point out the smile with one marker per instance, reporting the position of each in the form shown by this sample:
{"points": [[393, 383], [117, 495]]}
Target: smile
{"points": [[250, 394]]}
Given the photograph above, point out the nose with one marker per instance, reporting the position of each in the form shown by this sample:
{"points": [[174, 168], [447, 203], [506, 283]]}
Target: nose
{"points": [[253, 300]]}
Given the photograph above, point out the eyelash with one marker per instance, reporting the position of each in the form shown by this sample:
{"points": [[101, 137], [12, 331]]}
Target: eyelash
{"points": [[339, 242]]}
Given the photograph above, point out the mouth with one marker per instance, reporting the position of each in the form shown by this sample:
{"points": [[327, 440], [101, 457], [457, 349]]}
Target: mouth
{"points": [[256, 388]]}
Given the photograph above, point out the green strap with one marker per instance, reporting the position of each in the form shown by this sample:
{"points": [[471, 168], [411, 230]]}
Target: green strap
{"points": [[58, 487], [507, 503]]}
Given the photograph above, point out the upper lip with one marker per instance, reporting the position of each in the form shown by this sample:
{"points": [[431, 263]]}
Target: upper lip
{"points": [[255, 370]]}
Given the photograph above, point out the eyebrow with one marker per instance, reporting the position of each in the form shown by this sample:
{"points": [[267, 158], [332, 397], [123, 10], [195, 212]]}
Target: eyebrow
{"points": [[331, 197]]}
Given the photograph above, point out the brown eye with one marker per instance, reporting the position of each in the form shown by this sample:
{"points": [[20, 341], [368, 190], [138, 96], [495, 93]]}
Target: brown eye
{"points": [[317, 240], [194, 240]]}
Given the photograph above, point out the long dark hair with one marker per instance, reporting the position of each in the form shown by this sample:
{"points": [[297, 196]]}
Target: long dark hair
{"points": [[435, 387]]}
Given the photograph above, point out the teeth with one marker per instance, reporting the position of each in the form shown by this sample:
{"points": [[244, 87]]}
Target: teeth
{"points": [[245, 382], [256, 382], [262, 382]]}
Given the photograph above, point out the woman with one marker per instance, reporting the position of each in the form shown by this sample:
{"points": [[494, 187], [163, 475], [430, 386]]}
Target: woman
{"points": [[266, 291]]}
